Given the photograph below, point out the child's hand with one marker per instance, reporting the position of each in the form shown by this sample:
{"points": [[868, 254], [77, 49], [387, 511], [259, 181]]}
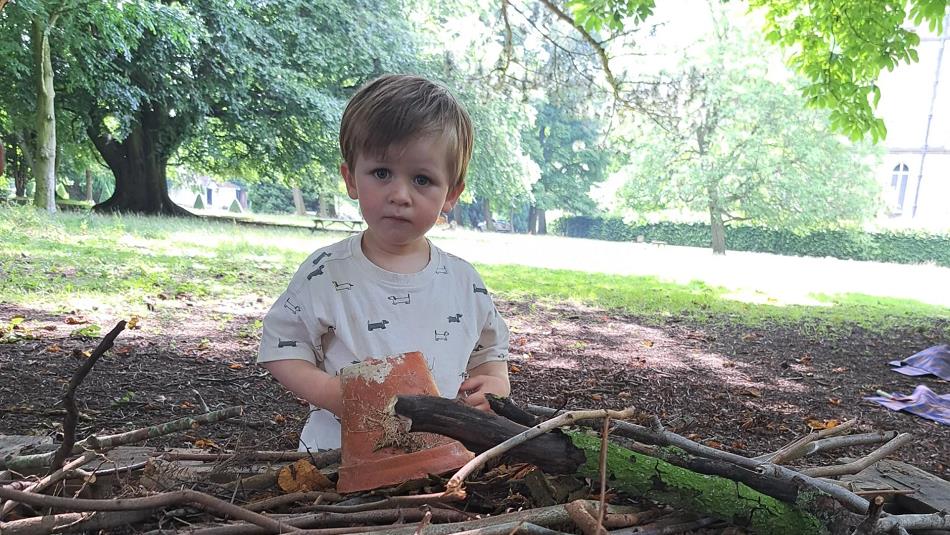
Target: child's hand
{"points": [[472, 391]]}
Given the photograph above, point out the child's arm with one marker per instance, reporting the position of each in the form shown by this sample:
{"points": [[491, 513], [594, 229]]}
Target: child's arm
{"points": [[308, 382], [488, 378]]}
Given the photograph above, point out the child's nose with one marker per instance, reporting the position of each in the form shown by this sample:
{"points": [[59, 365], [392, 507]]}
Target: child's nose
{"points": [[399, 191]]}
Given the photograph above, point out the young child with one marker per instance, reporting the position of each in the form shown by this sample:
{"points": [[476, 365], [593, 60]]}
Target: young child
{"points": [[406, 144]]}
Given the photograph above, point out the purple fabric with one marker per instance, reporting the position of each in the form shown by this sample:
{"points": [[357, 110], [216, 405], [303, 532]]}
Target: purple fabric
{"points": [[933, 360], [923, 402]]}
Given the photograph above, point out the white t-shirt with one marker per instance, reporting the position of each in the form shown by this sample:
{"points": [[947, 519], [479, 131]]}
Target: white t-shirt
{"points": [[340, 309]]}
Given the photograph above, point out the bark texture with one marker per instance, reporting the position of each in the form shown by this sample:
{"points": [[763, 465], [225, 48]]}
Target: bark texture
{"points": [[44, 160]]}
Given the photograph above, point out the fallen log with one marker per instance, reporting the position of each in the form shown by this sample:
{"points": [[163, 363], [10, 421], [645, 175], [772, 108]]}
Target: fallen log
{"points": [[630, 472]]}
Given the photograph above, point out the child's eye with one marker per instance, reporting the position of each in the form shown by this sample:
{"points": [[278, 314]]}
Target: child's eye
{"points": [[381, 173], [421, 180]]}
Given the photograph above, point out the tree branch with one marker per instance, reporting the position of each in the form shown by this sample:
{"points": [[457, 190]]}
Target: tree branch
{"points": [[209, 503], [69, 398]]}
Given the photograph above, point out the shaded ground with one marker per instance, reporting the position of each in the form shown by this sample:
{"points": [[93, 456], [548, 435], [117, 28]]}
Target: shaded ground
{"points": [[747, 391]]}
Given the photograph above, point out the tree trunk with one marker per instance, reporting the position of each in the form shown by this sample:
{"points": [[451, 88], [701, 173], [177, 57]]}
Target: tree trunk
{"points": [[716, 223], [299, 207], [542, 222], [88, 184], [532, 220], [16, 167], [44, 160], [486, 213], [138, 164], [718, 231], [630, 472], [3, 156], [457, 214]]}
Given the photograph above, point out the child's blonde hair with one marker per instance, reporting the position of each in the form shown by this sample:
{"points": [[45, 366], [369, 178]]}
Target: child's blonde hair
{"points": [[396, 108]]}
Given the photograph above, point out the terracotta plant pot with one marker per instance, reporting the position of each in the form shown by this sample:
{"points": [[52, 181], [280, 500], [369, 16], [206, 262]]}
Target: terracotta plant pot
{"points": [[377, 451]]}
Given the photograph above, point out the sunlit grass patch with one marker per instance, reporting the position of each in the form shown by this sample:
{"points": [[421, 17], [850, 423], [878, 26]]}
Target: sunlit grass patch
{"points": [[72, 259]]}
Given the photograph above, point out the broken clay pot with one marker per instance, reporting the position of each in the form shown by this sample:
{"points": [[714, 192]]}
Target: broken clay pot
{"points": [[377, 451]]}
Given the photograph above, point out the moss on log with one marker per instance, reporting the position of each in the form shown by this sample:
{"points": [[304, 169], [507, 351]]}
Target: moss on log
{"points": [[641, 475]]}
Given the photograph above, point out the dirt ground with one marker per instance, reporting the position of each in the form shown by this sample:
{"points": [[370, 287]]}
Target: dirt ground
{"points": [[745, 391]]}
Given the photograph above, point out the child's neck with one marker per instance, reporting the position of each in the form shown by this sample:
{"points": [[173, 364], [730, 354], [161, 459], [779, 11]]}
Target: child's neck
{"points": [[411, 258]]}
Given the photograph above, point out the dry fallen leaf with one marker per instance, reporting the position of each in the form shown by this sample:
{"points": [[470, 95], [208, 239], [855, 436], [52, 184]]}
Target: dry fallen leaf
{"points": [[818, 425], [70, 320], [514, 368], [235, 366], [280, 419], [133, 322], [648, 343], [205, 443], [840, 369], [302, 477], [597, 397], [54, 348], [752, 392], [834, 401], [187, 405]]}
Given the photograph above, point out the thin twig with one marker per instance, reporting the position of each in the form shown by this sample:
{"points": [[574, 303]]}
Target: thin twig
{"points": [[454, 486], [209, 503], [69, 398], [277, 501], [603, 475], [860, 464]]}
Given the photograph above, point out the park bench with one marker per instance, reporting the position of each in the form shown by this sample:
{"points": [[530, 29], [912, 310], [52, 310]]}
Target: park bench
{"points": [[327, 223]]}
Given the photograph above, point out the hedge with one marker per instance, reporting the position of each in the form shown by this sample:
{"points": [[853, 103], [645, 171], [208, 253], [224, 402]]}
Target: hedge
{"points": [[899, 247]]}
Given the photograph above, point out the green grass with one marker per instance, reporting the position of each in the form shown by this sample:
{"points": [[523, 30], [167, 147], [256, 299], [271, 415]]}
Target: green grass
{"points": [[75, 258], [655, 300]]}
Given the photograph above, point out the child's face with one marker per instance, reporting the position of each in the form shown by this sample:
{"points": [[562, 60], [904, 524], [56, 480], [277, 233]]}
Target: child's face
{"points": [[402, 192]]}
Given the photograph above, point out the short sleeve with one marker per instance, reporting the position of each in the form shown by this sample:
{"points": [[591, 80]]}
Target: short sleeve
{"points": [[285, 334], [492, 342]]}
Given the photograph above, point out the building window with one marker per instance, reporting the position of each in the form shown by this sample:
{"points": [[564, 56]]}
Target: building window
{"points": [[899, 184]]}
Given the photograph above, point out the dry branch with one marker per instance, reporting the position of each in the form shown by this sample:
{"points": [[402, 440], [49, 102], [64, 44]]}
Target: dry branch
{"points": [[792, 450], [51, 479], [554, 515], [69, 398], [284, 499], [208, 503], [864, 462], [847, 441], [92, 442], [73, 522]]}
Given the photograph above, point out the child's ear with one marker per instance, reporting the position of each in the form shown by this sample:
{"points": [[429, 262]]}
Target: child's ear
{"points": [[453, 196], [349, 180]]}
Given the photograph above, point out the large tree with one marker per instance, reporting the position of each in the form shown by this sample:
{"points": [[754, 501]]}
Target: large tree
{"points": [[732, 143], [229, 85]]}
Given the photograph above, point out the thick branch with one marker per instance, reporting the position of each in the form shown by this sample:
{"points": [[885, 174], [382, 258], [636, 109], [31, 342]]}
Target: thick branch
{"points": [[69, 398], [209, 503]]}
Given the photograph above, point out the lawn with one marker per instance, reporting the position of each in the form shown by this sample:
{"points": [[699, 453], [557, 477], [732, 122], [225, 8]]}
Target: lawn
{"points": [[80, 259]]}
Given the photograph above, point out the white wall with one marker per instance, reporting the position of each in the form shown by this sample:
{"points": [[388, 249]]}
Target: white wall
{"points": [[905, 105]]}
